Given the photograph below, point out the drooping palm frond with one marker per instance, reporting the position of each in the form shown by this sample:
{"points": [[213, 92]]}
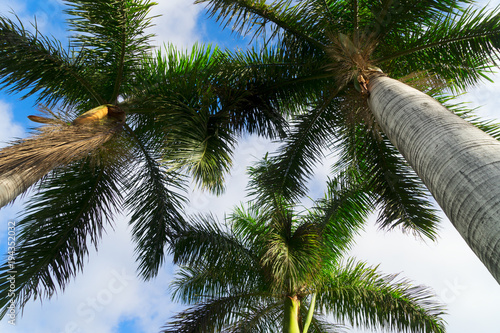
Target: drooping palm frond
{"points": [[212, 315], [341, 214], [286, 172], [155, 200], [247, 16], [460, 47], [263, 316], [206, 245], [72, 208], [396, 189], [361, 296], [386, 19]]}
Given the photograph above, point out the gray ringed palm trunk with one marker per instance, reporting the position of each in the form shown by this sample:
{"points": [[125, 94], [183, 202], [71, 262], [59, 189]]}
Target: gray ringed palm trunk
{"points": [[15, 184], [458, 163]]}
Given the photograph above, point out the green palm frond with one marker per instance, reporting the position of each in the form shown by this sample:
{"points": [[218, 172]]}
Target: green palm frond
{"points": [[204, 151], [213, 314], [111, 34], [460, 47], [247, 16], [360, 295], [154, 200], [395, 188], [71, 209], [340, 214], [289, 169], [207, 243], [34, 64], [263, 316], [388, 18]]}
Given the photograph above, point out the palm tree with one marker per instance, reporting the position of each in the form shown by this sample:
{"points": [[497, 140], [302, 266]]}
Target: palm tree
{"points": [[383, 127], [270, 269], [155, 118]]}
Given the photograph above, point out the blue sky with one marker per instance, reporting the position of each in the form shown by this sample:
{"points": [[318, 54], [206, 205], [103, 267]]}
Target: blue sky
{"points": [[108, 297]]}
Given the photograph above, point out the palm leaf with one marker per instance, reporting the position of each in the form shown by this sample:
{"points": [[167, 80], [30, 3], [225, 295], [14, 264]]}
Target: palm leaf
{"points": [[395, 187], [154, 200], [359, 295], [34, 64], [212, 315], [340, 214], [71, 209], [286, 173], [111, 35], [245, 16], [459, 47], [205, 243]]}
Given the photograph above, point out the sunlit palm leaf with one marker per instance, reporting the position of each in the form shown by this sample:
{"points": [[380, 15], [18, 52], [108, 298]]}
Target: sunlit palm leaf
{"points": [[361, 296], [111, 35]]}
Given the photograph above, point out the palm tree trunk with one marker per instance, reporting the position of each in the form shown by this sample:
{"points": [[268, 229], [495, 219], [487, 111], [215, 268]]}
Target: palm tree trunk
{"points": [[16, 183], [25, 162], [291, 320], [458, 163]]}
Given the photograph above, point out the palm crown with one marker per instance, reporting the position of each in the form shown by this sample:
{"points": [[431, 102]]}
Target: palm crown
{"points": [[154, 117], [349, 45], [272, 269]]}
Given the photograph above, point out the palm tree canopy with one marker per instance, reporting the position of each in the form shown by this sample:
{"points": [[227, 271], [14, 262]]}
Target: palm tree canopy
{"points": [[432, 45], [178, 114], [238, 275]]}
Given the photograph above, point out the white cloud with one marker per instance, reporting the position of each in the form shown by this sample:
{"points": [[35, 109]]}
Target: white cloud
{"points": [[177, 23], [9, 129], [485, 97]]}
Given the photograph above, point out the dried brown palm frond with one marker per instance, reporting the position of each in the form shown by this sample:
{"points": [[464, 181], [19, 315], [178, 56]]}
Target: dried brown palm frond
{"points": [[26, 161]]}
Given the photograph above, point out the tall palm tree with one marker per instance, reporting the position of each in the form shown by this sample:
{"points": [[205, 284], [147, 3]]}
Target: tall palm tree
{"points": [[155, 117], [383, 126], [271, 269]]}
